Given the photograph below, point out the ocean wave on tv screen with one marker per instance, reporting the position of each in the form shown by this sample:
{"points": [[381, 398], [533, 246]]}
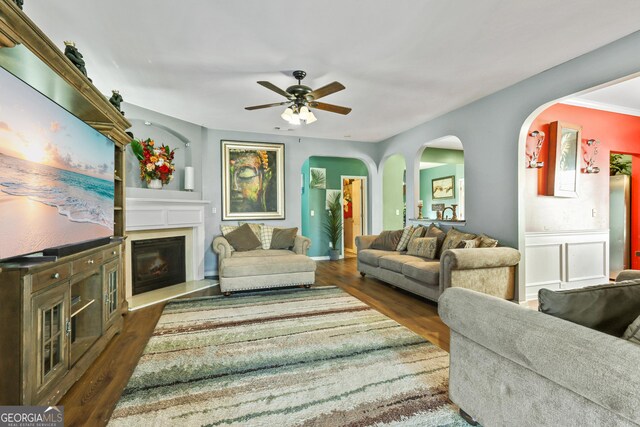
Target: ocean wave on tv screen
{"points": [[81, 198]]}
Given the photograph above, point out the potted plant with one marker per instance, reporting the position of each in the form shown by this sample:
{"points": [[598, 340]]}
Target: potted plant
{"points": [[333, 224], [156, 163], [618, 165]]}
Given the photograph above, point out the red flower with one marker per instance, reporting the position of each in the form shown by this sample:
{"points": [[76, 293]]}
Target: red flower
{"points": [[163, 169]]}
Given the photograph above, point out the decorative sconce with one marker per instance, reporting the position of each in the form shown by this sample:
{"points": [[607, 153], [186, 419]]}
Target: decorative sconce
{"points": [[591, 160], [532, 159]]}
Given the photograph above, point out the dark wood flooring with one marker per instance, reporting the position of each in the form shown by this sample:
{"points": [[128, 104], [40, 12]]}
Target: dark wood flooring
{"points": [[92, 399]]}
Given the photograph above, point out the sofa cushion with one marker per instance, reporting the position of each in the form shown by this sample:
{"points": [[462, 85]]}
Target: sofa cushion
{"points": [[434, 231], [395, 262], [484, 241], [372, 256], [243, 239], [426, 247], [243, 267], [283, 238], [454, 238], [423, 271], [255, 227], [266, 234], [632, 333], [404, 239], [605, 308], [387, 240], [262, 253]]}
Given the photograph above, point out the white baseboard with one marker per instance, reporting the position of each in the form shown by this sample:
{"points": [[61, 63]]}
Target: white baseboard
{"points": [[320, 258]]}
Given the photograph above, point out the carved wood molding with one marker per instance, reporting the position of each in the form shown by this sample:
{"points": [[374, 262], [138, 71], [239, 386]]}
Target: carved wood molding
{"points": [[13, 22]]}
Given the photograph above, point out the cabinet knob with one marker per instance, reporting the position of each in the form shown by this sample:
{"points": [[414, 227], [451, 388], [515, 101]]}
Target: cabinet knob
{"points": [[55, 276], [113, 253], [90, 261]]}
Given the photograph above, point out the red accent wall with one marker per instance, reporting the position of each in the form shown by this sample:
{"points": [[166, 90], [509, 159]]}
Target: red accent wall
{"points": [[617, 133]]}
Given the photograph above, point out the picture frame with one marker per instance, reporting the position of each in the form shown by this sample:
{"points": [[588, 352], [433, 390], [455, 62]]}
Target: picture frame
{"points": [[565, 146], [443, 188], [318, 178], [252, 180]]}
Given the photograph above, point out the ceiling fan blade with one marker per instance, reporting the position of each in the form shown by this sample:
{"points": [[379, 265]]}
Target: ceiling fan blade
{"points": [[330, 107], [324, 91], [275, 88], [257, 107]]}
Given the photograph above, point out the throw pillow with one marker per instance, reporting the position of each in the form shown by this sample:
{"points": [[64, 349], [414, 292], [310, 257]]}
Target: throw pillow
{"points": [[425, 247], [466, 244], [633, 332], [387, 240], [404, 239], [284, 238], [434, 231], [226, 229], [243, 239], [256, 228], [417, 233], [453, 239], [484, 241], [266, 233], [609, 308]]}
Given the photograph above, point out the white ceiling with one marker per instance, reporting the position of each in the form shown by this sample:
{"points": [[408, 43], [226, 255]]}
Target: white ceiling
{"points": [[622, 98], [403, 62]]}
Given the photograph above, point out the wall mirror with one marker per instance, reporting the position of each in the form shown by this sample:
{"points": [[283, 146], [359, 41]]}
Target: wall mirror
{"points": [[564, 152]]}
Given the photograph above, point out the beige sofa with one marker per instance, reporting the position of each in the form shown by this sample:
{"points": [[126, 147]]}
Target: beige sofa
{"points": [[488, 270], [514, 366], [264, 268]]}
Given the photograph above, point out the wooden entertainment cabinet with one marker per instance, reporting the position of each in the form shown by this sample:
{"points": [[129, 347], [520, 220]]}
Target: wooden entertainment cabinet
{"points": [[57, 316]]}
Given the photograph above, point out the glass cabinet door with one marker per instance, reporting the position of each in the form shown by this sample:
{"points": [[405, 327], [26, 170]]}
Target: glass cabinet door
{"points": [[50, 327], [111, 279]]}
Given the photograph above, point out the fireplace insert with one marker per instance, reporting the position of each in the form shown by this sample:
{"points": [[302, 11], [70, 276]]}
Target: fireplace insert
{"points": [[157, 263]]}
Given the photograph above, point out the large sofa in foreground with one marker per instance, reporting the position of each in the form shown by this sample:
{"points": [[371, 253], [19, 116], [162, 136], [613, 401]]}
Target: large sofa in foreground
{"points": [[488, 270], [513, 366], [263, 268]]}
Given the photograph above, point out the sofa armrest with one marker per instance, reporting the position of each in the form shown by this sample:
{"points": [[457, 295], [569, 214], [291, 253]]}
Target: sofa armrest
{"points": [[488, 270], [363, 242], [474, 258], [221, 247], [594, 365], [301, 245], [628, 275]]}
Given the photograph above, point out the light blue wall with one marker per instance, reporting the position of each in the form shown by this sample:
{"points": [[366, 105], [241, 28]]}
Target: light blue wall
{"points": [[316, 198], [427, 175]]}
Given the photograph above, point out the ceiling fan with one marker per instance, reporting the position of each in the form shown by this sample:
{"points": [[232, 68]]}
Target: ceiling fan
{"points": [[301, 98]]}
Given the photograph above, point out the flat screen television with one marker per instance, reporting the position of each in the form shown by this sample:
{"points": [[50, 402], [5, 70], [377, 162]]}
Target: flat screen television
{"points": [[56, 174]]}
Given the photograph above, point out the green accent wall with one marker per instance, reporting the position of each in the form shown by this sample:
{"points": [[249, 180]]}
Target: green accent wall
{"points": [[393, 197], [315, 199], [426, 175], [441, 155]]}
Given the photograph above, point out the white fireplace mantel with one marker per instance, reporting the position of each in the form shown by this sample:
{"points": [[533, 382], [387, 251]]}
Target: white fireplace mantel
{"points": [[157, 214]]}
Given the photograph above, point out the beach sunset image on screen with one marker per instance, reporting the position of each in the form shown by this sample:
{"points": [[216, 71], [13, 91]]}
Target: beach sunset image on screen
{"points": [[56, 174]]}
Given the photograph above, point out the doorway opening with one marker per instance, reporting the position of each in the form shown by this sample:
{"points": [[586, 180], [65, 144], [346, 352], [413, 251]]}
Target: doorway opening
{"points": [[354, 212], [621, 201]]}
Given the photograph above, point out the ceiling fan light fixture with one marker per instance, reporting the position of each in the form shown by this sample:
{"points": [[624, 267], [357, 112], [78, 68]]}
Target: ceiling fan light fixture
{"points": [[304, 112], [310, 117], [295, 119], [287, 114]]}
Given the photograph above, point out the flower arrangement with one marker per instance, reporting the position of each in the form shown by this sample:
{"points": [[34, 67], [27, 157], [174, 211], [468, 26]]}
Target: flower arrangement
{"points": [[155, 162]]}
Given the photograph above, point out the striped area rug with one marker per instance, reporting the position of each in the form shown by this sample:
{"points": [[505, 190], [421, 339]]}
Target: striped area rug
{"points": [[299, 357]]}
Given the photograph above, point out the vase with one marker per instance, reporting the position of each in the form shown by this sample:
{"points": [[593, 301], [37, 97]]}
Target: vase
{"points": [[334, 254], [155, 184]]}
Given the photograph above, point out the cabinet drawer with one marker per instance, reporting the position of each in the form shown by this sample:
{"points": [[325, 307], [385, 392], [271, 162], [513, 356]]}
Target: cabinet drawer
{"points": [[111, 253], [50, 276], [88, 262]]}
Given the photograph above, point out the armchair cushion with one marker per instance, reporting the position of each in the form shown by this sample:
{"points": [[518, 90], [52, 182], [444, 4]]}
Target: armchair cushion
{"points": [[283, 238], [243, 239]]}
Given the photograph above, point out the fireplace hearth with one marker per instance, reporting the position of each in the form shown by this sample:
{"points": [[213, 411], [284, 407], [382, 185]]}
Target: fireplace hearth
{"points": [[157, 263]]}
